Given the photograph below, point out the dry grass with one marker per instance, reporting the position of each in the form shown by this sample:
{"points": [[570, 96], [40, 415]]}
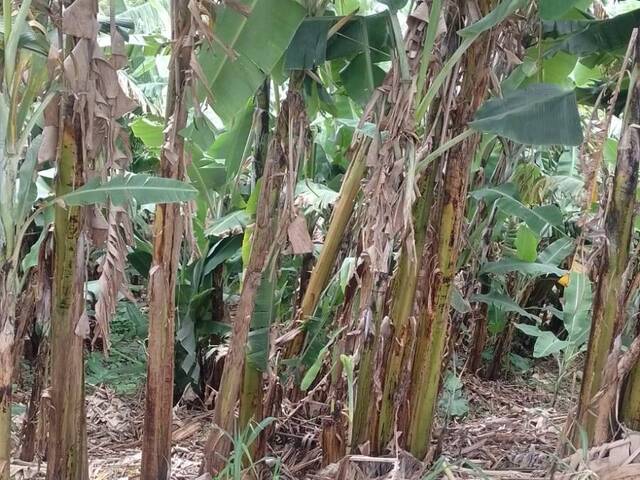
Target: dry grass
{"points": [[511, 432]]}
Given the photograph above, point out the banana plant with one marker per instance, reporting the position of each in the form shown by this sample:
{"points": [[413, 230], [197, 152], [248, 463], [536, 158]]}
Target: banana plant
{"points": [[26, 91], [23, 83]]}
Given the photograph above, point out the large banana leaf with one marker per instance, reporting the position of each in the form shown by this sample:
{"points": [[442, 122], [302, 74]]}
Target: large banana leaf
{"points": [[555, 253], [534, 269], [539, 114], [310, 46], [584, 37], [493, 18], [232, 144], [142, 188], [554, 9], [540, 219], [257, 41], [221, 252], [546, 342], [503, 302]]}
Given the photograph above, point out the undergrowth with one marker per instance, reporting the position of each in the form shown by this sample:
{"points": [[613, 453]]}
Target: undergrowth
{"points": [[124, 368]]}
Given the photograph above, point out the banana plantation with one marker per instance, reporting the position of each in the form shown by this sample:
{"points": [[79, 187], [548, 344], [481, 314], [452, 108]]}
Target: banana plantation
{"points": [[319, 239]]}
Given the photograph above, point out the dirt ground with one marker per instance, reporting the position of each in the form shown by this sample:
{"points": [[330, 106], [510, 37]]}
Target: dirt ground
{"points": [[511, 431]]}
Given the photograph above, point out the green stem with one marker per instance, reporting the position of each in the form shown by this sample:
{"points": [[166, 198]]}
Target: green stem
{"points": [[442, 149], [339, 219], [429, 40], [402, 298], [608, 306]]}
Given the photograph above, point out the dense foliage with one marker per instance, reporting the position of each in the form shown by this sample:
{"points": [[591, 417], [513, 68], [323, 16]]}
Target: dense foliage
{"points": [[269, 202]]}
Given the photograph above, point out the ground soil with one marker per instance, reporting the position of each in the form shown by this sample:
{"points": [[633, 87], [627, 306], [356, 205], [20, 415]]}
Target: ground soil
{"points": [[512, 430]]}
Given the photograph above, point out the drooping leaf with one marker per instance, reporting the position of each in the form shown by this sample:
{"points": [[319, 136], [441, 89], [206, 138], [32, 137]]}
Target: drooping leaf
{"points": [[557, 68], [544, 217], [371, 33], [554, 9], [312, 372], [521, 364], [316, 196], [538, 218], [220, 252], [538, 114], [394, 5], [28, 40], [535, 269], [233, 223], [308, 48], [120, 189], [245, 250], [257, 41], [497, 320], [584, 37], [503, 302], [547, 344], [531, 330], [346, 270], [149, 17], [493, 18], [27, 189], [30, 260], [200, 133], [206, 174], [356, 82]]}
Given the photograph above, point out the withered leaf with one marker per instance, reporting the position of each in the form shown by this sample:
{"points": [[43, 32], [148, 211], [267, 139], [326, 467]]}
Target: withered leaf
{"points": [[79, 20], [49, 144], [299, 237], [82, 327]]}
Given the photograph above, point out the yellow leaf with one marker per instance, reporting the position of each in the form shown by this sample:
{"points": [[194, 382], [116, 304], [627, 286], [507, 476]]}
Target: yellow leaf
{"points": [[564, 280]]}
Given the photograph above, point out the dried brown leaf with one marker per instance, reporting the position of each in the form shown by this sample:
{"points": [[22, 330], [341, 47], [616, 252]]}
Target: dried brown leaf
{"points": [[79, 19], [299, 237], [111, 279]]}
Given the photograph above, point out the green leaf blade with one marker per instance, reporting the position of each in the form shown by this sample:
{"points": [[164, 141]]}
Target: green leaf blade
{"points": [[144, 189], [538, 114]]}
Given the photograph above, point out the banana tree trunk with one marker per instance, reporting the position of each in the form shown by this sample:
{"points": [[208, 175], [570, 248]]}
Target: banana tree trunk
{"points": [[7, 320], [252, 394], [340, 217], [8, 300], [67, 456], [608, 307], [480, 331], [267, 235], [440, 256], [29, 434], [402, 301], [168, 232]]}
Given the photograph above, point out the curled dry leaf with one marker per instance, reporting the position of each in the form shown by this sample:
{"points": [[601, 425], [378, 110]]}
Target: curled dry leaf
{"points": [[82, 327], [79, 19], [299, 237], [119, 237]]}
